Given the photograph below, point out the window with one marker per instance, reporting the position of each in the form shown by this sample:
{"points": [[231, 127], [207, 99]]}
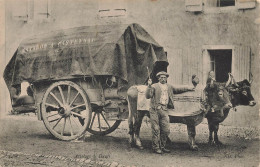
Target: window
{"points": [[222, 3], [224, 59], [220, 62], [42, 9], [194, 5], [28, 10], [218, 5], [112, 8], [20, 10]]}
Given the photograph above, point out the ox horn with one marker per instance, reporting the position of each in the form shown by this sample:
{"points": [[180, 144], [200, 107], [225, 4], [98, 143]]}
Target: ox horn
{"points": [[250, 78]]}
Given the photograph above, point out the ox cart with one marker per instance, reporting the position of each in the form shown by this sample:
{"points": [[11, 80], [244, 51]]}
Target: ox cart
{"points": [[79, 77]]}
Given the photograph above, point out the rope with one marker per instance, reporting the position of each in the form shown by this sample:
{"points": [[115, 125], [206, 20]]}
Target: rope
{"points": [[187, 99]]}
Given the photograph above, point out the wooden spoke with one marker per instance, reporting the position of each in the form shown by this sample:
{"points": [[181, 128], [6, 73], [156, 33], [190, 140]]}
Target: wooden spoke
{"points": [[54, 120], [57, 123], [99, 125], [56, 99], [63, 128], [71, 131], [81, 105], [62, 95], [74, 99], [51, 105], [52, 115], [105, 119], [92, 121], [76, 122], [68, 95], [74, 113]]}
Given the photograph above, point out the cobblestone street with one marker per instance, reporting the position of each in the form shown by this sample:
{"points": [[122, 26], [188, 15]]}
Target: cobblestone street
{"points": [[26, 142]]}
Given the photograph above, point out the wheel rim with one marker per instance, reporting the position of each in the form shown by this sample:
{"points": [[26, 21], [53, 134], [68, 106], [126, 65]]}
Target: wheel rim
{"points": [[63, 103], [100, 125]]}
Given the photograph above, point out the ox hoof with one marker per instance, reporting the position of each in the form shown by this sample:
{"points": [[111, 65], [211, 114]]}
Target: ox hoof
{"points": [[194, 148], [218, 143], [211, 143], [140, 147], [131, 142]]}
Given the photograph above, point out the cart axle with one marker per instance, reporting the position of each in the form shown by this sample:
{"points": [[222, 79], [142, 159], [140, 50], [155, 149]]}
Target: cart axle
{"points": [[64, 111]]}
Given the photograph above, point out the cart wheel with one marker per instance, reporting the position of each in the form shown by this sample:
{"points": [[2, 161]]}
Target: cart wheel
{"points": [[62, 104], [100, 125]]}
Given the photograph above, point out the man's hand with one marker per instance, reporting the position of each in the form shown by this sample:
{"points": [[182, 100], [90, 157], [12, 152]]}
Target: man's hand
{"points": [[212, 79], [149, 82], [230, 75], [191, 88]]}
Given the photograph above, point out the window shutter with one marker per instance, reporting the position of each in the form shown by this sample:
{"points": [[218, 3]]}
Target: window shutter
{"points": [[112, 8], [193, 5], [245, 4], [20, 10], [175, 67], [241, 63], [42, 9], [206, 65]]}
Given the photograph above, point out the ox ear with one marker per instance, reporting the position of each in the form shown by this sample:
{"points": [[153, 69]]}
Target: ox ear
{"points": [[250, 78]]}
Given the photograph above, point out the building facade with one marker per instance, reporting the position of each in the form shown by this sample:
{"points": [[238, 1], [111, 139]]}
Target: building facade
{"points": [[198, 35]]}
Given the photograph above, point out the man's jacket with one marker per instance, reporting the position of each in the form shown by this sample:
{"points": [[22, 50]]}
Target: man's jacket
{"points": [[154, 93]]}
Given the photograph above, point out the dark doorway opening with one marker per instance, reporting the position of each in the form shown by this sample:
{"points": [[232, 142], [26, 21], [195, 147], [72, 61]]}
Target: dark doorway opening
{"points": [[223, 3], [220, 62]]}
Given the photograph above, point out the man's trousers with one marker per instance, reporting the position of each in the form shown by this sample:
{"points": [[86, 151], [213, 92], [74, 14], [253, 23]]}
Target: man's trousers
{"points": [[160, 127]]}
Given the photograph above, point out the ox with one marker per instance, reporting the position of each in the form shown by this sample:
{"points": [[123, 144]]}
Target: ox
{"points": [[239, 94], [135, 117]]}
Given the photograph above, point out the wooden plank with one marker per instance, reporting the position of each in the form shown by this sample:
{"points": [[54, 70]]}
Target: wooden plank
{"points": [[206, 65], [175, 66], [200, 65], [241, 60], [193, 5], [215, 47], [180, 79], [245, 4], [184, 68]]}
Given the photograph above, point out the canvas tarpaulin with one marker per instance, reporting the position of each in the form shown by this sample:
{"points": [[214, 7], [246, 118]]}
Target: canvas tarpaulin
{"points": [[119, 50]]}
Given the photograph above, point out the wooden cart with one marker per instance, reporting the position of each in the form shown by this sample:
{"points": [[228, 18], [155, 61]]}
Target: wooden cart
{"points": [[79, 77]]}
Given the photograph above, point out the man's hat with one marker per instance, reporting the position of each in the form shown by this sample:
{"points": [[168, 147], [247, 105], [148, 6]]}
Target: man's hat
{"points": [[162, 73]]}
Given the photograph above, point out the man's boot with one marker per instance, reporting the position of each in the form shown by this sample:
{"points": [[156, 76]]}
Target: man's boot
{"points": [[166, 150], [158, 151]]}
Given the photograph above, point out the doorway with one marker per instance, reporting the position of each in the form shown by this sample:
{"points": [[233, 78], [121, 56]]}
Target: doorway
{"points": [[221, 63]]}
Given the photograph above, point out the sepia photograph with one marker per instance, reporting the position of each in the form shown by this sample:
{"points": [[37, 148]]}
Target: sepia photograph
{"points": [[129, 83]]}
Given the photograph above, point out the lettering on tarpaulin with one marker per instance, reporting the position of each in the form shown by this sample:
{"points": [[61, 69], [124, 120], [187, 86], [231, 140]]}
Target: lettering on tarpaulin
{"points": [[61, 43]]}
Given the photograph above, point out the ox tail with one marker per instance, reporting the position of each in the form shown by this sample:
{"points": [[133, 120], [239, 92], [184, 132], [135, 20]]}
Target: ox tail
{"points": [[130, 117]]}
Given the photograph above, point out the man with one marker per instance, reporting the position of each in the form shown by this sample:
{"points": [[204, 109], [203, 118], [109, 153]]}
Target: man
{"points": [[161, 95]]}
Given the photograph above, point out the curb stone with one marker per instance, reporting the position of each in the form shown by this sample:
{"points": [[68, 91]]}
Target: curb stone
{"points": [[82, 160]]}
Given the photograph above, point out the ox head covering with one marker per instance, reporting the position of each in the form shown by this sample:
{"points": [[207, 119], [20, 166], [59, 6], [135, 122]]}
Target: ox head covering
{"points": [[162, 73], [195, 80]]}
